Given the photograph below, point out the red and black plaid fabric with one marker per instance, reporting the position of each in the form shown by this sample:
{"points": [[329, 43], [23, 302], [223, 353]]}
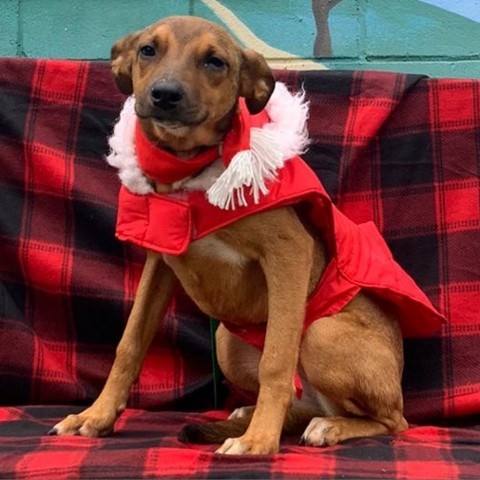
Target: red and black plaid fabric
{"points": [[146, 447], [403, 151], [67, 284]]}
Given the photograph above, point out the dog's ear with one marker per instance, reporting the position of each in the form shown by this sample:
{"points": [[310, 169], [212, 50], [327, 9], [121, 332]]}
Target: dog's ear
{"points": [[256, 81], [122, 55]]}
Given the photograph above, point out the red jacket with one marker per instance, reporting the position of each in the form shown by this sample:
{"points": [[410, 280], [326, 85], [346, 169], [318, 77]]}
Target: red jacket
{"points": [[360, 258]]}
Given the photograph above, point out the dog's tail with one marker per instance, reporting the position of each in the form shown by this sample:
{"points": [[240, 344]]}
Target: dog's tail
{"points": [[296, 421], [213, 432]]}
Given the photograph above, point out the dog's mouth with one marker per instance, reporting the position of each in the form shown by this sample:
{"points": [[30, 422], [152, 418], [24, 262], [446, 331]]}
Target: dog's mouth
{"points": [[173, 120], [175, 124]]}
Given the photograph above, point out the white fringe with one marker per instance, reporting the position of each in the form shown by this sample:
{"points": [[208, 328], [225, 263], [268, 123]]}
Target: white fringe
{"points": [[270, 147], [248, 168], [284, 137]]}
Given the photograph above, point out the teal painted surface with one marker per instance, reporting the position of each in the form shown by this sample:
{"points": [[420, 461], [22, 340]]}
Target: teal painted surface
{"points": [[347, 29], [452, 69], [415, 29], [435, 37], [9, 27], [87, 28]]}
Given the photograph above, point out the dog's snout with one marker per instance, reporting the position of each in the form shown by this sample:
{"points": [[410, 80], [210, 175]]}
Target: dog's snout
{"points": [[167, 95]]}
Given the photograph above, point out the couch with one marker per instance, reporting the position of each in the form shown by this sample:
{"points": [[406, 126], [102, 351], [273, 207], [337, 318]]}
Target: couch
{"points": [[401, 150]]}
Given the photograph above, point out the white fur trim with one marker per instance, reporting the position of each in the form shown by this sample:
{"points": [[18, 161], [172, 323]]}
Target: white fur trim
{"points": [[123, 154], [284, 137]]}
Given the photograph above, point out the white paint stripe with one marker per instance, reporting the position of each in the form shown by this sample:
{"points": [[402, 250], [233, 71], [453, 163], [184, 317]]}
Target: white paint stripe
{"points": [[276, 58]]}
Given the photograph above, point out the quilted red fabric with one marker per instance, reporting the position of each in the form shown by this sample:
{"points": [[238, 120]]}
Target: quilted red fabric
{"points": [[360, 257], [403, 151]]}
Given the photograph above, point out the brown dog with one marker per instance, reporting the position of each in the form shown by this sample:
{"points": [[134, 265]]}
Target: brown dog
{"points": [[187, 75]]}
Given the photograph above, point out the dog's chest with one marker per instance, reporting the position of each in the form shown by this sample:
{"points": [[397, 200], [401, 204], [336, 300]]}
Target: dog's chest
{"points": [[216, 250], [207, 251], [222, 281]]}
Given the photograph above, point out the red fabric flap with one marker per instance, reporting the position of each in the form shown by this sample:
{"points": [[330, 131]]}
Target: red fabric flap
{"points": [[159, 222]]}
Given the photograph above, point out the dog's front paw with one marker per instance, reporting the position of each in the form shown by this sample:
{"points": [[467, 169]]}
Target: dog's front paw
{"points": [[321, 432], [85, 424], [244, 446]]}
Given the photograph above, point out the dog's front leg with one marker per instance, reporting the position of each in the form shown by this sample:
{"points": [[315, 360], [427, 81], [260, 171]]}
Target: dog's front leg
{"points": [[287, 274], [152, 299]]}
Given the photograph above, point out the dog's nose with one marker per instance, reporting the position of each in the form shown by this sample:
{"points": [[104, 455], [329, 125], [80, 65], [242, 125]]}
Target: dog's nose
{"points": [[167, 94]]}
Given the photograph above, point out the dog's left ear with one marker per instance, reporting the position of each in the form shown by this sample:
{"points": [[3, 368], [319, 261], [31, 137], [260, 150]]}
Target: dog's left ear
{"points": [[256, 81], [122, 56]]}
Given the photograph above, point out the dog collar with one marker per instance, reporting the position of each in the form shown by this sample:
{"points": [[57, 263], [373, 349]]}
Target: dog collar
{"points": [[253, 151]]}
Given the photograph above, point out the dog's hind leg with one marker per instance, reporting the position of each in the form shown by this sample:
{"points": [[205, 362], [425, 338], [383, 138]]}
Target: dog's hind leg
{"points": [[152, 299], [326, 431], [354, 358]]}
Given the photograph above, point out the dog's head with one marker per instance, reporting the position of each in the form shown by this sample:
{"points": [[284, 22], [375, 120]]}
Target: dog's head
{"points": [[186, 74]]}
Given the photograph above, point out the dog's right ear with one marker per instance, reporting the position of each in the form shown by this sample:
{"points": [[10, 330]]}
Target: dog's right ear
{"points": [[256, 81], [122, 56]]}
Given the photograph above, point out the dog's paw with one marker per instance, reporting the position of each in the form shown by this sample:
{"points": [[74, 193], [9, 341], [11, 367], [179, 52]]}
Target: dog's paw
{"points": [[241, 412], [84, 424], [243, 446], [321, 432], [233, 446]]}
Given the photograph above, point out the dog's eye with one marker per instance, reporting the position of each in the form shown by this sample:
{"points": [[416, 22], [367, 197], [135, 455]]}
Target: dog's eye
{"points": [[147, 51], [214, 63]]}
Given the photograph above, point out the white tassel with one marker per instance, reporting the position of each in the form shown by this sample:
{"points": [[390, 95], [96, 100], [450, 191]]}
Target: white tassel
{"points": [[270, 147], [248, 168]]}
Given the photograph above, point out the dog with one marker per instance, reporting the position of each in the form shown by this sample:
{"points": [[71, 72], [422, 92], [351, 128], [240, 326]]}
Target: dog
{"points": [[188, 77]]}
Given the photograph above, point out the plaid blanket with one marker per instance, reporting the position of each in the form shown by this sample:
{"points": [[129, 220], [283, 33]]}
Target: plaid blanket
{"points": [[146, 447], [403, 151]]}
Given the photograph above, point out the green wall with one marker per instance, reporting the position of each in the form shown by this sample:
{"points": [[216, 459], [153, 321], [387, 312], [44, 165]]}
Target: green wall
{"points": [[403, 35]]}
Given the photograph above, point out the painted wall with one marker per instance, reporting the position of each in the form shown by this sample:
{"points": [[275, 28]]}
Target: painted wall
{"points": [[435, 37]]}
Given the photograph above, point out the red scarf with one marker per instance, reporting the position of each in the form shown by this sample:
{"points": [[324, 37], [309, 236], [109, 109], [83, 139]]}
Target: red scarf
{"points": [[166, 168]]}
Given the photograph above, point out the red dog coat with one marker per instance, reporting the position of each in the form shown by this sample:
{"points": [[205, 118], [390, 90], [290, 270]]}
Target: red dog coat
{"points": [[168, 223], [360, 258]]}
